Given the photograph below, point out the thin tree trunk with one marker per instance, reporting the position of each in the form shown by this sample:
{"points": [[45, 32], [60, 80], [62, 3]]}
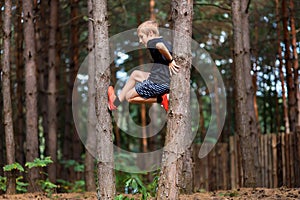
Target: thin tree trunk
{"points": [[32, 144], [243, 85], [295, 63], [20, 125], [77, 148], [41, 35], [106, 177], [52, 113], [152, 11], [143, 116], [1, 108], [68, 126], [281, 75], [7, 107], [288, 66], [255, 52], [179, 119], [277, 110], [297, 92], [250, 90], [90, 182]]}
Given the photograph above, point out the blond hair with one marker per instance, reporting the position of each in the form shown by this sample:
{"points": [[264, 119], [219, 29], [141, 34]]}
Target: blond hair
{"points": [[148, 27]]}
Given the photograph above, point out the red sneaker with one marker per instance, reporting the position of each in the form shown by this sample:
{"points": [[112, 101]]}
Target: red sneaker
{"points": [[165, 102], [111, 98]]}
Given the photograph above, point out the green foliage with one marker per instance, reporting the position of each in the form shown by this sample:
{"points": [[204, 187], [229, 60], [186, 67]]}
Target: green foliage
{"points": [[2, 183], [72, 163], [125, 161], [47, 186], [21, 186], [135, 185], [152, 187], [14, 166], [66, 186], [38, 162], [78, 186], [121, 197]]}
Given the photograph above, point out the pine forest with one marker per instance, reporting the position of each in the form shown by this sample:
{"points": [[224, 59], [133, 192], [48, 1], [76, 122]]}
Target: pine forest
{"points": [[228, 126]]}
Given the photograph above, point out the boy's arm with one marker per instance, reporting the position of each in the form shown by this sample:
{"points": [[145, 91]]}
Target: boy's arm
{"points": [[174, 68], [164, 51]]}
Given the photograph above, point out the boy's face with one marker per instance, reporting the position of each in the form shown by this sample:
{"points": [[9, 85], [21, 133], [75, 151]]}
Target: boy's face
{"points": [[144, 38]]}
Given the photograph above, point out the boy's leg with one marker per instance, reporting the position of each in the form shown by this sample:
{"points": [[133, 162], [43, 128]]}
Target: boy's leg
{"points": [[128, 90], [133, 97]]}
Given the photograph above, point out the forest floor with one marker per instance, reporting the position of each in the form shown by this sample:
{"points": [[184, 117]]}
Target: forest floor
{"points": [[240, 194]]}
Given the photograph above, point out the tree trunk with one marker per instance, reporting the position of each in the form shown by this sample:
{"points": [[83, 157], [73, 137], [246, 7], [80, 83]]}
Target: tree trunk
{"points": [[20, 123], [76, 142], [179, 119], [255, 52], [288, 66], [32, 144], [281, 75], [7, 107], [42, 44], [106, 178], [245, 121], [2, 138], [68, 126], [144, 141], [295, 64], [73, 147], [186, 179], [52, 105], [297, 92], [253, 125], [90, 182], [152, 11]]}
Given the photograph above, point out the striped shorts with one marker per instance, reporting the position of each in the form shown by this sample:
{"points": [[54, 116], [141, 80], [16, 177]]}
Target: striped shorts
{"points": [[148, 89]]}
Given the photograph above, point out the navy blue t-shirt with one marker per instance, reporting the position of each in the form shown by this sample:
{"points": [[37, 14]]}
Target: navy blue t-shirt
{"points": [[159, 73]]}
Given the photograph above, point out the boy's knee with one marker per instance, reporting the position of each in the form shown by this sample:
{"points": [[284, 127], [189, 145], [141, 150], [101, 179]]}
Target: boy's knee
{"points": [[134, 74], [128, 98]]}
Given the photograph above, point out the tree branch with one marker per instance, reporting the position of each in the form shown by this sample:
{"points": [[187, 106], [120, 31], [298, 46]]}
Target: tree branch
{"points": [[248, 6]]}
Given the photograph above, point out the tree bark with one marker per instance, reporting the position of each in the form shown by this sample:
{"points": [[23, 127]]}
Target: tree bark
{"points": [[69, 78], [288, 66], [297, 92], [250, 90], [7, 105], [281, 75], [178, 123], [2, 133], [72, 145], [77, 148], [52, 105], [295, 63], [245, 121], [32, 144], [90, 182], [20, 94], [106, 178], [42, 45]]}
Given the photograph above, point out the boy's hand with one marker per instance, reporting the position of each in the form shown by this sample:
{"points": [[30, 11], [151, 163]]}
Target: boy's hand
{"points": [[174, 68]]}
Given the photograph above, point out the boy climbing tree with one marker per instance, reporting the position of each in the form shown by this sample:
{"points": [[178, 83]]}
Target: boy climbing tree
{"points": [[153, 86]]}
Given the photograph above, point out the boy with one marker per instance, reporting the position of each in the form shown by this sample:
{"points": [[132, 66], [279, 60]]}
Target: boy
{"points": [[145, 87]]}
